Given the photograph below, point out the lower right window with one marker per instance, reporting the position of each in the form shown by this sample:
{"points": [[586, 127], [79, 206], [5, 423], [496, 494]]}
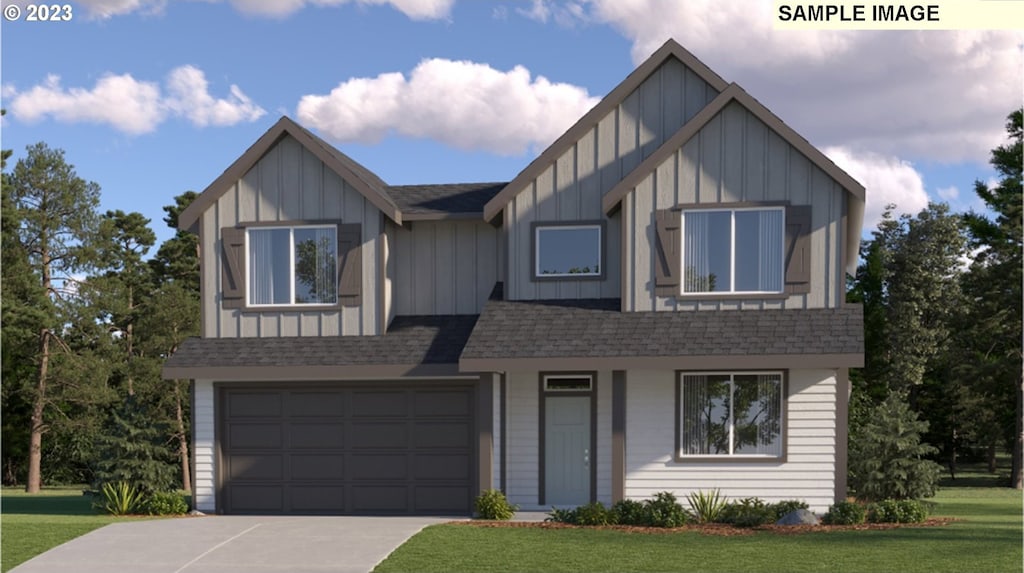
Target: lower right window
{"points": [[723, 414]]}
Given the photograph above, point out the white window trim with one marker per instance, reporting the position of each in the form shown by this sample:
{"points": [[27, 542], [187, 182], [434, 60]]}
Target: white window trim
{"points": [[732, 424], [291, 265], [536, 252], [732, 252], [588, 377]]}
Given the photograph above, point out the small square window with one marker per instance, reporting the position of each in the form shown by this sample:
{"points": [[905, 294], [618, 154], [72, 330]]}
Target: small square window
{"points": [[733, 251], [567, 251], [292, 265]]}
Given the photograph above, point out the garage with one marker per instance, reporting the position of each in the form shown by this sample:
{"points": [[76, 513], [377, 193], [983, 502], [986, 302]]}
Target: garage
{"points": [[346, 448]]}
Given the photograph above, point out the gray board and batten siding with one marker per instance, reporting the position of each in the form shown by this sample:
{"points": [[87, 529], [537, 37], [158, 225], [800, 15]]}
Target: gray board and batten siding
{"points": [[567, 182], [735, 160], [289, 184]]}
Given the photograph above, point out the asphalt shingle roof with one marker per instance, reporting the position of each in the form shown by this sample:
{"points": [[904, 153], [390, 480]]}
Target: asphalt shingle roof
{"points": [[597, 328], [445, 198], [409, 340]]}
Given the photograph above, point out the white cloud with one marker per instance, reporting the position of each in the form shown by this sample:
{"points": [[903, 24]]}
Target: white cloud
{"points": [[462, 104], [415, 9], [190, 97], [948, 193], [539, 11], [130, 105], [934, 95], [886, 179]]}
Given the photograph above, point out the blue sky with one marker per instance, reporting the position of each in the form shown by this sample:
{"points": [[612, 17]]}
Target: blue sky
{"points": [[152, 98]]}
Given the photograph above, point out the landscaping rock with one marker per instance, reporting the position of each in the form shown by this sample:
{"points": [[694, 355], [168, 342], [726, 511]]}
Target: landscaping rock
{"points": [[799, 517]]}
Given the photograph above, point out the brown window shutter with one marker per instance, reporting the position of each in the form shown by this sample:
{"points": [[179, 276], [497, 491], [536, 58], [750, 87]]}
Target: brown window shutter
{"points": [[232, 267], [350, 263], [666, 260], [798, 249]]}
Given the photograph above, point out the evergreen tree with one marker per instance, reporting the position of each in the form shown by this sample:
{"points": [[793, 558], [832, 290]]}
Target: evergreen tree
{"points": [[133, 449]]}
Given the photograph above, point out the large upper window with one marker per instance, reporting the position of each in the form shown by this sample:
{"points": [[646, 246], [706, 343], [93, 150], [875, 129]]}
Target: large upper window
{"points": [[567, 251], [292, 265], [733, 250], [730, 414]]}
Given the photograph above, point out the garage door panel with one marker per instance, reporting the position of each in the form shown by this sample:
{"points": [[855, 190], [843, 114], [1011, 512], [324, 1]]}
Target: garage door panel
{"points": [[429, 403], [442, 435], [255, 404], [440, 499], [255, 466], [254, 435], [256, 499], [320, 499], [378, 435], [317, 466], [380, 498], [311, 435], [440, 466], [311, 404], [379, 467], [349, 447], [372, 404]]}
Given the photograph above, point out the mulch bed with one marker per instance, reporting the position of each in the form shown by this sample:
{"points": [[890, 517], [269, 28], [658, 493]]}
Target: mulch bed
{"points": [[719, 529]]}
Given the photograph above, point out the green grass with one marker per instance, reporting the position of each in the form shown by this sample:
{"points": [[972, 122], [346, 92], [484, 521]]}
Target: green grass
{"points": [[32, 524], [988, 539]]}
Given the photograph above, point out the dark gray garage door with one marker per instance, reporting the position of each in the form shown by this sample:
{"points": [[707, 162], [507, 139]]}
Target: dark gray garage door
{"points": [[346, 449]]}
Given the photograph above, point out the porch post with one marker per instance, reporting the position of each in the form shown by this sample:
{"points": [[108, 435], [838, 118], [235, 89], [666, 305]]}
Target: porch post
{"points": [[618, 435], [485, 430]]}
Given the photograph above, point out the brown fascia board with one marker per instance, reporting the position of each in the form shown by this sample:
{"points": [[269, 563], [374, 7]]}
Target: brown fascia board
{"points": [[716, 362], [734, 92], [362, 179], [669, 49], [318, 372]]}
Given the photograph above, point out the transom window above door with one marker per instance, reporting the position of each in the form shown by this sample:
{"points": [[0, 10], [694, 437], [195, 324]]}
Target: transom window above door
{"points": [[292, 265], [568, 251], [733, 250]]}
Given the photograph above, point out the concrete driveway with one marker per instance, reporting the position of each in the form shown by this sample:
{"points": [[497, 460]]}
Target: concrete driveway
{"points": [[233, 544]]}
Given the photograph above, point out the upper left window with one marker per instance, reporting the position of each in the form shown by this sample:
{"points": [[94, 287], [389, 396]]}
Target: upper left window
{"points": [[292, 265]]}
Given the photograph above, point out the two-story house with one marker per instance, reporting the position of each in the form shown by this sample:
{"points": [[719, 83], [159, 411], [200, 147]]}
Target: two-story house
{"points": [[655, 303]]}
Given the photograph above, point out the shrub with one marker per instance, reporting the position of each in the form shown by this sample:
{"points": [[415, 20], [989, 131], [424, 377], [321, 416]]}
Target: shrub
{"points": [[748, 512], [594, 514], [887, 456], [492, 504], [785, 507], [898, 511], [664, 511], [706, 507], [845, 513], [165, 503], [562, 516], [631, 512], [119, 498]]}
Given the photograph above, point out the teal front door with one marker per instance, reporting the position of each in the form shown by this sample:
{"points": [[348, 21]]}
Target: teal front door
{"points": [[567, 450]]}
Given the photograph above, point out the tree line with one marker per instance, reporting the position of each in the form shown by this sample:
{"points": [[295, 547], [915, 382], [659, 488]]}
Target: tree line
{"points": [[90, 312]]}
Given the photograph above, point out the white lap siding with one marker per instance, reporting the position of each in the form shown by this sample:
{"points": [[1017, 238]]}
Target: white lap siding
{"points": [[203, 483], [809, 470]]}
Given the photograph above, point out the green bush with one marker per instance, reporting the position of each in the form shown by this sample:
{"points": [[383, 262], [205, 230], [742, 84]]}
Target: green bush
{"points": [[897, 511], [631, 512], [706, 507], [748, 512], [492, 504], [594, 514], [845, 513], [165, 503], [664, 511], [119, 498], [785, 507], [562, 516]]}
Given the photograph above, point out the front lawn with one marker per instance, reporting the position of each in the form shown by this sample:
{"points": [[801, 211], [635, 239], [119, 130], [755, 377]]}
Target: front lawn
{"points": [[988, 539], [32, 524]]}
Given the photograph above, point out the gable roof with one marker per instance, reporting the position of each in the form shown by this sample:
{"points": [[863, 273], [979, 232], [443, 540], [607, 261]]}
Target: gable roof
{"points": [[734, 93], [670, 49], [362, 179]]}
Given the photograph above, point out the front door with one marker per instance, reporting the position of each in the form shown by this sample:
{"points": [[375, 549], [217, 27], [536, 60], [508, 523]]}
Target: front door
{"points": [[567, 450]]}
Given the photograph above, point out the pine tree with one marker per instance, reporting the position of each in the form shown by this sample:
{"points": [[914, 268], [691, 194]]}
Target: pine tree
{"points": [[133, 449]]}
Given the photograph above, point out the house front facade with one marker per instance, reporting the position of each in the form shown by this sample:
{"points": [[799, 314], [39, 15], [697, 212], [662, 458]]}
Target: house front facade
{"points": [[655, 303]]}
